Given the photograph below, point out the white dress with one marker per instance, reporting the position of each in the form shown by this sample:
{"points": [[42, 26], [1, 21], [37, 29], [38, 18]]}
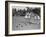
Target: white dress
{"points": [[27, 15]]}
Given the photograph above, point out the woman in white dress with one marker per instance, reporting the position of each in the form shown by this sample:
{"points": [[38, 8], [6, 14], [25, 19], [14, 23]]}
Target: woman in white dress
{"points": [[27, 17]]}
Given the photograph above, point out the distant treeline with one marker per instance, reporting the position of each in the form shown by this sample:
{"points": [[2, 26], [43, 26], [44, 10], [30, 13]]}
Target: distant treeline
{"points": [[21, 12]]}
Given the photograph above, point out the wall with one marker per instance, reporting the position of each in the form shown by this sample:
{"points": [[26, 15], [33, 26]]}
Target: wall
{"points": [[2, 19]]}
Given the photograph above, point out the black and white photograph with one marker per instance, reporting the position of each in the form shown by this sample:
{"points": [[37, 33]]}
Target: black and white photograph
{"points": [[24, 18]]}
